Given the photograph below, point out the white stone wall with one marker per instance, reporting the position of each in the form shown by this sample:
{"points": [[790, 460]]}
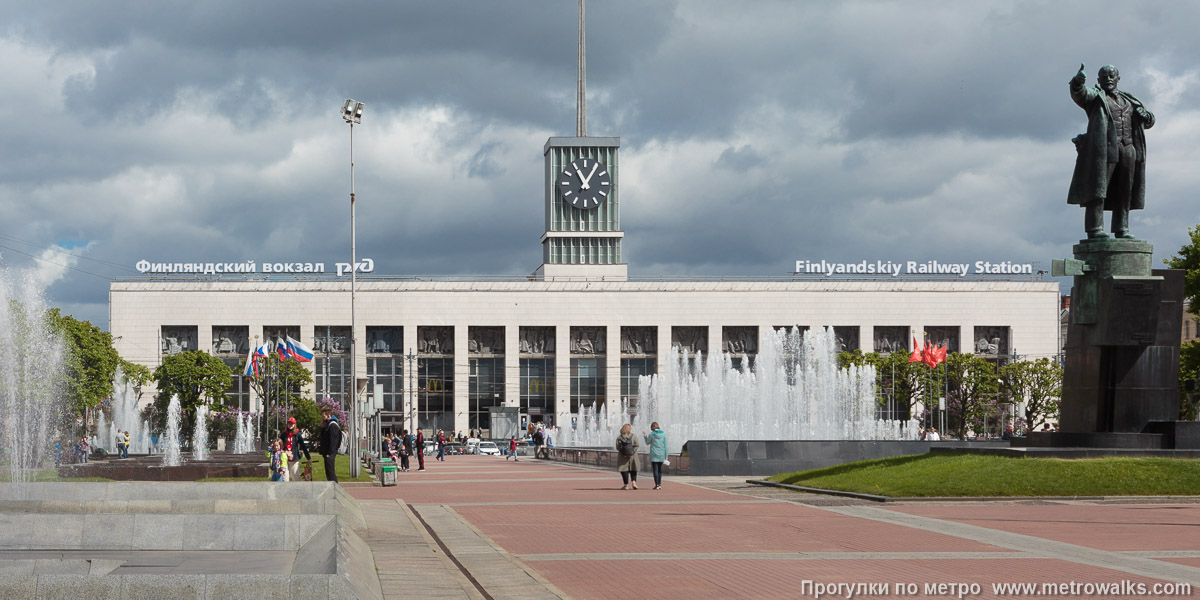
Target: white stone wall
{"points": [[139, 308]]}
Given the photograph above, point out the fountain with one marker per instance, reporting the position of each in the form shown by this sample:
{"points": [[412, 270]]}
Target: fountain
{"points": [[794, 392], [31, 379], [171, 456], [200, 434], [243, 443], [124, 415]]}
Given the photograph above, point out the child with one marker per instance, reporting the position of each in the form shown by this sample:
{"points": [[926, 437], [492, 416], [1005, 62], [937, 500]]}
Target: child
{"points": [[278, 466]]}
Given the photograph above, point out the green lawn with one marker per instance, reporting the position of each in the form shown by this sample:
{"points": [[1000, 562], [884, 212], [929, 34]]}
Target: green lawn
{"points": [[979, 475]]}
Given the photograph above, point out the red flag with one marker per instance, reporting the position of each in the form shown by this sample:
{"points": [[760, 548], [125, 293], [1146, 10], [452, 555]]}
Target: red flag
{"points": [[916, 353], [929, 356]]}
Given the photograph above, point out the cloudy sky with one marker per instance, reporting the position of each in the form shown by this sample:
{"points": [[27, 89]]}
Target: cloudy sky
{"points": [[752, 134]]}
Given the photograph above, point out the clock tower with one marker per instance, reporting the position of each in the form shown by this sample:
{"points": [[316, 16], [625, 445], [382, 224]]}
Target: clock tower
{"points": [[583, 210], [583, 199]]}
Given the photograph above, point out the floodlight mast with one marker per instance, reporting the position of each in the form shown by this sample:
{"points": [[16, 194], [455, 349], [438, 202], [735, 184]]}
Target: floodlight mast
{"points": [[352, 113]]}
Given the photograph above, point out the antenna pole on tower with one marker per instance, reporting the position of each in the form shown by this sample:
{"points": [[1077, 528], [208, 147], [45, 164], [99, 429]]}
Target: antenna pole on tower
{"points": [[581, 88]]}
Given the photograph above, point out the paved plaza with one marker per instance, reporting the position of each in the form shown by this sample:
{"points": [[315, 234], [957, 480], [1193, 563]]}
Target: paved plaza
{"points": [[481, 527]]}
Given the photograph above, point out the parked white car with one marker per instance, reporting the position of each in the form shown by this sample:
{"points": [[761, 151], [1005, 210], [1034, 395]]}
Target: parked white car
{"points": [[488, 448]]}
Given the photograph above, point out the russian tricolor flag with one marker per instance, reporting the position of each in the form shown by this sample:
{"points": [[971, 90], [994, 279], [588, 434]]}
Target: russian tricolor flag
{"points": [[262, 350], [251, 365], [299, 351], [281, 349]]}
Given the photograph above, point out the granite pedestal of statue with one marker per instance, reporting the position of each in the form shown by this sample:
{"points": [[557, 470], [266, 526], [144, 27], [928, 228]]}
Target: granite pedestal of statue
{"points": [[1121, 375]]}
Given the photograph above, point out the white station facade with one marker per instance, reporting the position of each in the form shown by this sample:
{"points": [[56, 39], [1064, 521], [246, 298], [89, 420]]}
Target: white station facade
{"points": [[442, 353]]}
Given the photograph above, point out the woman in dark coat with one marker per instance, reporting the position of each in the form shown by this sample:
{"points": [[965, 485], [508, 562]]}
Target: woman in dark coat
{"points": [[627, 465]]}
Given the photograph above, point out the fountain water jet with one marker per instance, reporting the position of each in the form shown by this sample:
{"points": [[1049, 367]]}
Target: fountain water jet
{"points": [[171, 457], [32, 380], [125, 416], [243, 443], [794, 392], [200, 434]]}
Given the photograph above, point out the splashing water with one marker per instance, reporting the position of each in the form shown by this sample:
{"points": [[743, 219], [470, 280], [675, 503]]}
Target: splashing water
{"points": [[243, 443], [795, 392], [200, 434], [32, 380], [171, 457], [125, 416]]}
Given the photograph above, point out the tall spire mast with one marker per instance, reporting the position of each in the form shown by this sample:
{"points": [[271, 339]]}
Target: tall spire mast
{"points": [[581, 88]]}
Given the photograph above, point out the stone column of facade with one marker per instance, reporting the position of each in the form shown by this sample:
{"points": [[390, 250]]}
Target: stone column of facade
{"points": [[204, 338], [562, 373], [462, 377], [512, 365], [664, 347], [612, 364]]}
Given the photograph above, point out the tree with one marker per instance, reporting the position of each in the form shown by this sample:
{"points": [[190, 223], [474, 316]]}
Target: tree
{"points": [[1188, 259], [91, 360], [972, 398], [1038, 383], [197, 378], [1189, 375]]}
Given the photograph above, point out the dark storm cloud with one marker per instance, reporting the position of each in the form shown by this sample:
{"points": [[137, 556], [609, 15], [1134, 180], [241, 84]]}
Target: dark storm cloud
{"points": [[753, 133]]}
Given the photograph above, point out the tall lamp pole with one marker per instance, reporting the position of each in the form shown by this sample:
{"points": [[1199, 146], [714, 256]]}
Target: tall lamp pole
{"points": [[352, 113]]}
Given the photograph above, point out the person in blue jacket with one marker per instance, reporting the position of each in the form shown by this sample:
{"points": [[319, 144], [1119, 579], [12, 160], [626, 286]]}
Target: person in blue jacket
{"points": [[657, 441]]}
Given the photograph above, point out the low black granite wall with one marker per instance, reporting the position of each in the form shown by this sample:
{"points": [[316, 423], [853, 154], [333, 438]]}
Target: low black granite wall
{"points": [[762, 458]]}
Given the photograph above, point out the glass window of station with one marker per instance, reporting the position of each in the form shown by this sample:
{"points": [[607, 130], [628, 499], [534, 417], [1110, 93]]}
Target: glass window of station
{"points": [[536, 367]]}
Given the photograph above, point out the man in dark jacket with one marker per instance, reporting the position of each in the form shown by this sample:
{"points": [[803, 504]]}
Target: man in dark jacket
{"points": [[293, 443], [331, 440]]}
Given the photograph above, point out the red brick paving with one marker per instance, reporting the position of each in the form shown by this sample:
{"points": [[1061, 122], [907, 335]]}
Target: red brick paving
{"points": [[1104, 527], [767, 579], [596, 517], [690, 528]]}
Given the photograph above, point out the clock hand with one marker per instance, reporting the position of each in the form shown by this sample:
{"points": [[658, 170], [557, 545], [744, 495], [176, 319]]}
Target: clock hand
{"points": [[582, 179], [589, 177]]}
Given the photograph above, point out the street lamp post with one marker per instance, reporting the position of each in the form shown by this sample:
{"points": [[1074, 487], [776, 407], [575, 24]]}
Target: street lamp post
{"points": [[352, 113]]}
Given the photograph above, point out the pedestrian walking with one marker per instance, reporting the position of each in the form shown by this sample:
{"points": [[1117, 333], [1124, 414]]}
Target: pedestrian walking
{"points": [[441, 445], [657, 441], [420, 450], [331, 440], [539, 440], [120, 444], [512, 449], [627, 466]]}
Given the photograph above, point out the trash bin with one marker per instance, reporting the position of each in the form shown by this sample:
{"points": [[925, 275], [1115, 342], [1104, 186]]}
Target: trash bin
{"points": [[380, 464], [389, 475]]}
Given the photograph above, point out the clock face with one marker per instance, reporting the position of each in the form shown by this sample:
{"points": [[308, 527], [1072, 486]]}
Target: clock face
{"points": [[585, 183]]}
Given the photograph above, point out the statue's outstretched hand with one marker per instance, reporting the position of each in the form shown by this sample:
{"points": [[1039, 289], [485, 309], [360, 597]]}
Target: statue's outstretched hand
{"points": [[1079, 77]]}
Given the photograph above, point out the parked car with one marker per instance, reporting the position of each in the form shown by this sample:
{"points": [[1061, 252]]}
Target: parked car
{"points": [[488, 449], [455, 448]]}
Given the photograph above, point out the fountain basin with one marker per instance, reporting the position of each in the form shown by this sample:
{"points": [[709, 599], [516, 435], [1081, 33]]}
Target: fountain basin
{"points": [[149, 467]]}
